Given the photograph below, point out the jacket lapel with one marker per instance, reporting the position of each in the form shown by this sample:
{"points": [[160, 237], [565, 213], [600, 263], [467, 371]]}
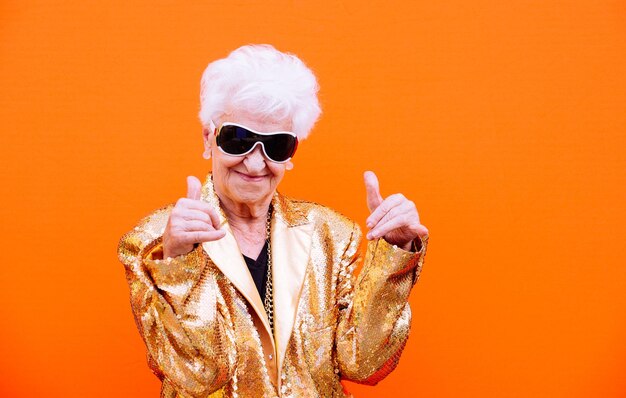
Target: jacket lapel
{"points": [[291, 245]]}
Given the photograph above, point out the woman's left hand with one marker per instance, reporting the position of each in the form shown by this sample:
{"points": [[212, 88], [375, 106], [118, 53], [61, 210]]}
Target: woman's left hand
{"points": [[394, 218]]}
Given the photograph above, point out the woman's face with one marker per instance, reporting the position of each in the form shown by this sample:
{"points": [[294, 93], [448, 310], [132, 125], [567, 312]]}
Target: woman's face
{"points": [[250, 179]]}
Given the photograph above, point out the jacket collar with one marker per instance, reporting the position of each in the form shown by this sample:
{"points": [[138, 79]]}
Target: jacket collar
{"points": [[291, 233]]}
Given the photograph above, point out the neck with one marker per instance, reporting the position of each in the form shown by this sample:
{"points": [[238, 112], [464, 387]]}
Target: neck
{"points": [[249, 226], [245, 212]]}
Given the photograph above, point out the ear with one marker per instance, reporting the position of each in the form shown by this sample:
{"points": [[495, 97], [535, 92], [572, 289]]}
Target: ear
{"points": [[289, 165], [206, 134], [206, 137]]}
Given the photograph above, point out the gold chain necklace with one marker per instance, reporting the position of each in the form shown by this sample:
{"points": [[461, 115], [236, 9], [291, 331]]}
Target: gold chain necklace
{"points": [[268, 303]]}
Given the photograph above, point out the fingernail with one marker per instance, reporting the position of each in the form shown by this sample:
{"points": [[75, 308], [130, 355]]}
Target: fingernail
{"points": [[369, 224], [368, 236]]}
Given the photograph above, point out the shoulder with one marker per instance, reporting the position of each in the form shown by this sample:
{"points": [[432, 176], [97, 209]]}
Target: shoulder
{"points": [[326, 220], [146, 233]]}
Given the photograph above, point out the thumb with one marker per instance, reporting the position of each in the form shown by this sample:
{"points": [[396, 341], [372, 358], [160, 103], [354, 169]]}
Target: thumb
{"points": [[373, 190], [193, 188]]}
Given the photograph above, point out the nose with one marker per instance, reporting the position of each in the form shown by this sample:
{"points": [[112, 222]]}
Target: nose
{"points": [[255, 160]]}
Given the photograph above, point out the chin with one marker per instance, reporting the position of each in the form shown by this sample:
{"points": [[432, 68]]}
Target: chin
{"points": [[251, 195]]}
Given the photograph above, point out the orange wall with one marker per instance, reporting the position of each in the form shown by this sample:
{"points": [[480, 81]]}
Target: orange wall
{"points": [[503, 120]]}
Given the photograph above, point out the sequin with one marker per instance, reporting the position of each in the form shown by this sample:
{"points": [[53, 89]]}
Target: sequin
{"points": [[205, 339]]}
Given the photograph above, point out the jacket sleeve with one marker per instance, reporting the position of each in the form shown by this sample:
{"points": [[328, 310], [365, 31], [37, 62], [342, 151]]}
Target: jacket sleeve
{"points": [[177, 312], [374, 313]]}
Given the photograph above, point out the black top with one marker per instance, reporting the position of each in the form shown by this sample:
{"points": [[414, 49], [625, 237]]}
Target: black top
{"points": [[258, 270]]}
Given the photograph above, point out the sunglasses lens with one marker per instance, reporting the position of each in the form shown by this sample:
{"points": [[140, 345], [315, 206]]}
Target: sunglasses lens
{"points": [[236, 140], [280, 147]]}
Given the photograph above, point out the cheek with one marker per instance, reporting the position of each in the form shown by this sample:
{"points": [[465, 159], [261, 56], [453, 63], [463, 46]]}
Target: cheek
{"points": [[278, 170], [222, 161]]}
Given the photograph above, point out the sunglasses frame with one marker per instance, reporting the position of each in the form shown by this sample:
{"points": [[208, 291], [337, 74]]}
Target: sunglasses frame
{"points": [[216, 131]]}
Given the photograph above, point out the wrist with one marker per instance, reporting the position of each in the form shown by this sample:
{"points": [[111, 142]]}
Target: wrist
{"points": [[407, 246]]}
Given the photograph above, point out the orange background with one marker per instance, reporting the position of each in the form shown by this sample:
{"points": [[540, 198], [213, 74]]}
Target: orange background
{"points": [[503, 120]]}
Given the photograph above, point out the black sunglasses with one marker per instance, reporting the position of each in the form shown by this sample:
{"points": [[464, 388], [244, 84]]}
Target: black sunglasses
{"points": [[237, 140]]}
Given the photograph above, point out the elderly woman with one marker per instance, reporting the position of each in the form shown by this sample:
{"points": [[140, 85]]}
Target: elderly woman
{"points": [[240, 291]]}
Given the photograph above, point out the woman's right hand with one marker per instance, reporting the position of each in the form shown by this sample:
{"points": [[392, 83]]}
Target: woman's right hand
{"points": [[191, 221]]}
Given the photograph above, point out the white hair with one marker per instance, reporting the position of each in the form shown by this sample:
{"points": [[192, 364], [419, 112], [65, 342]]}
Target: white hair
{"points": [[262, 81]]}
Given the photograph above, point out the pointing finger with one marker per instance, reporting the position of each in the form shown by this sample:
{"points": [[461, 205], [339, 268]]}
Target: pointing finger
{"points": [[384, 228], [203, 236], [215, 218], [193, 188], [373, 190], [385, 207]]}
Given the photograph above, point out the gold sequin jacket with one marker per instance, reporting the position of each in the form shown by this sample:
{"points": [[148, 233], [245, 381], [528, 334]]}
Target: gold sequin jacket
{"points": [[205, 328]]}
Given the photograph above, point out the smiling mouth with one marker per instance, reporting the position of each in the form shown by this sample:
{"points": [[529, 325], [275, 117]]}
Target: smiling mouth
{"points": [[249, 177]]}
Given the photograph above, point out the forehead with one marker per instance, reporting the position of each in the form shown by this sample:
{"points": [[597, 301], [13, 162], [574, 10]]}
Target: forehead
{"points": [[262, 123]]}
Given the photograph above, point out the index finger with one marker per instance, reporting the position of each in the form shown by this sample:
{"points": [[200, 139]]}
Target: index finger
{"points": [[192, 204], [215, 218]]}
